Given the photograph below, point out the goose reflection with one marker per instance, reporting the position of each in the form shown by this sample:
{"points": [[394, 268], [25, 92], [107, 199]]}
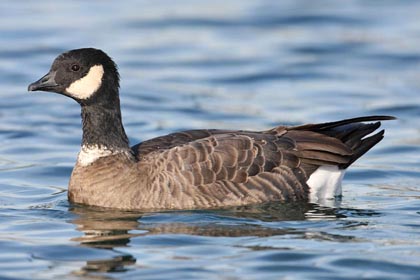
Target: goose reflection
{"points": [[107, 229], [112, 230]]}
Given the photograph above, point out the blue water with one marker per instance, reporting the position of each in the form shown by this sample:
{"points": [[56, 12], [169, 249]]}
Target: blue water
{"points": [[219, 64]]}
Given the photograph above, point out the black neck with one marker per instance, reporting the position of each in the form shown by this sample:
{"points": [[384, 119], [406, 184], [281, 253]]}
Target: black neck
{"points": [[102, 126], [101, 114]]}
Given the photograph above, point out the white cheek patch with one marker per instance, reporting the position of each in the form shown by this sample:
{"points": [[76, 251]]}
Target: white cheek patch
{"points": [[88, 85]]}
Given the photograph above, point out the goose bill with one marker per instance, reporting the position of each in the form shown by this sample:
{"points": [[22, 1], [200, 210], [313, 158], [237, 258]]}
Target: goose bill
{"points": [[46, 83]]}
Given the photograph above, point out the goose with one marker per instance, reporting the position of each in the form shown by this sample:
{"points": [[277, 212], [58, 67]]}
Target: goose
{"points": [[196, 169]]}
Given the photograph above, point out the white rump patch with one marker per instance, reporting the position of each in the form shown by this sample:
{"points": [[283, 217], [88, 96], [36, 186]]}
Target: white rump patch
{"points": [[325, 183], [89, 154], [88, 85]]}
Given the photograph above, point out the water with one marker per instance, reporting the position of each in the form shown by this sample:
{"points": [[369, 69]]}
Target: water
{"points": [[220, 64]]}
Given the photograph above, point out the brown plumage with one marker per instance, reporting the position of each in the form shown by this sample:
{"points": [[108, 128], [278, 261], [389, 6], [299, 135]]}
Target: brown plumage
{"points": [[196, 168], [215, 168]]}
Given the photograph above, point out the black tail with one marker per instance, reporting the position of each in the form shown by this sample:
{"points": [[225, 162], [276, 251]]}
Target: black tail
{"points": [[352, 132]]}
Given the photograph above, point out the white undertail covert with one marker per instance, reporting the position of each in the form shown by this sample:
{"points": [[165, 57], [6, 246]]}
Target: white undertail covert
{"points": [[325, 183]]}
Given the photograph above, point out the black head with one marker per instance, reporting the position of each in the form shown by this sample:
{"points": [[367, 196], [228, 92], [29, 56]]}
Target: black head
{"points": [[87, 75]]}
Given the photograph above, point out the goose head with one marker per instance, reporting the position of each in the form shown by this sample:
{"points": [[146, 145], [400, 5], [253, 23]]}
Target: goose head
{"points": [[86, 75]]}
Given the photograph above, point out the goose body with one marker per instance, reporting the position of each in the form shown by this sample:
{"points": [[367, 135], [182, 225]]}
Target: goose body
{"points": [[206, 168]]}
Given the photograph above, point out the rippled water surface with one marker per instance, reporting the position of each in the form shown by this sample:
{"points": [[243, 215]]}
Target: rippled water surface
{"points": [[220, 64]]}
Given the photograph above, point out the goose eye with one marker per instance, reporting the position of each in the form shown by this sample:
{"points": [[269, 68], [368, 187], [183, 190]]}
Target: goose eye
{"points": [[75, 67]]}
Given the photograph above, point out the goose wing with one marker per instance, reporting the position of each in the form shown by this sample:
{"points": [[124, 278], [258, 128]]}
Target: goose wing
{"points": [[244, 167], [172, 140]]}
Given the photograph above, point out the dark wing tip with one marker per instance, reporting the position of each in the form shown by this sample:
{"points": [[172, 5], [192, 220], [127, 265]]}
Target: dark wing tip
{"points": [[383, 118], [359, 119]]}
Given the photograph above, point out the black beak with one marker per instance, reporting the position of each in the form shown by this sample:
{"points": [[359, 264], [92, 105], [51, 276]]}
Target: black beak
{"points": [[46, 83]]}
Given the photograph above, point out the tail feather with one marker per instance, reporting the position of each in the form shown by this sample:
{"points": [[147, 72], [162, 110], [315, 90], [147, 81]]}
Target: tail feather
{"points": [[352, 139], [330, 125], [354, 133], [363, 146]]}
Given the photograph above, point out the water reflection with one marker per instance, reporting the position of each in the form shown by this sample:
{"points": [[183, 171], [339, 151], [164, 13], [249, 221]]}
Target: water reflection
{"points": [[117, 264], [104, 229]]}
